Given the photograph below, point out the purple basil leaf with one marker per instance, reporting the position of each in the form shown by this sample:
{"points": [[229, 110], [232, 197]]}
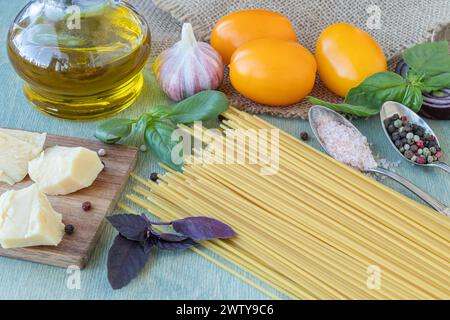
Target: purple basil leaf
{"points": [[131, 226], [126, 259], [203, 228], [149, 244], [170, 245]]}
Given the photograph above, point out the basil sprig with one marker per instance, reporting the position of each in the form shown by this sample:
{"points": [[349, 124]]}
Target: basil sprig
{"points": [[429, 70], [158, 124]]}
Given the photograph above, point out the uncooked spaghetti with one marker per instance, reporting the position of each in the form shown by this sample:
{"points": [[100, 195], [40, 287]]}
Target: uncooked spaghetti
{"points": [[317, 229]]}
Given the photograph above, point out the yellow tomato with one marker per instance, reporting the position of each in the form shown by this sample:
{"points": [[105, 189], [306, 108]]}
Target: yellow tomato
{"points": [[273, 72], [346, 56], [240, 27]]}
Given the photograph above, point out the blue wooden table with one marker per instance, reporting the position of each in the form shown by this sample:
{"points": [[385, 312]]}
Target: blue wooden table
{"points": [[169, 275]]}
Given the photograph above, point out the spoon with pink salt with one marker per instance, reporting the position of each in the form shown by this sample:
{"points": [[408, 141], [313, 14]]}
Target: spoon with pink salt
{"points": [[345, 143]]}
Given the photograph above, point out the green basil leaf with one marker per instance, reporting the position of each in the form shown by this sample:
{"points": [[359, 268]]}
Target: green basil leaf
{"points": [[413, 98], [114, 130], [435, 83], [203, 106], [158, 137], [143, 122], [360, 111], [429, 59], [377, 89]]}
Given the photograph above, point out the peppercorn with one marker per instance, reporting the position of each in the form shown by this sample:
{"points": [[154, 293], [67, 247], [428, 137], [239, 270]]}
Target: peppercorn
{"points": [[69, 229], [421, 160], [398, 143], [304, 136], [143, 148], [154, 177], [395, 117], [414, 158], [439, 154], [406, 146], [408, 128], [409, 154], [420, 132], [398, 123], [414, 148], [101, 152], [391, 128], [221, 118], [404, 118], [420, 144], [420, 151], [410, 135], [395, 136], [430, 159], [433, 150], [402, 134], [86, 206]]}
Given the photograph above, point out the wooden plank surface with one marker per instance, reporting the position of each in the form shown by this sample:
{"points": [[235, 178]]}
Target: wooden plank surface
{"points": [[75, 249]]}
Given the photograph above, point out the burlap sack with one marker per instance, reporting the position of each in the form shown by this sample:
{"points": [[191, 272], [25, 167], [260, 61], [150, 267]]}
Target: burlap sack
{"points": [[402, 24]]}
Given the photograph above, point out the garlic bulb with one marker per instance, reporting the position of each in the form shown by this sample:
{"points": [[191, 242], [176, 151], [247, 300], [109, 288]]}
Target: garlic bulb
{"points": [[188, 67]]}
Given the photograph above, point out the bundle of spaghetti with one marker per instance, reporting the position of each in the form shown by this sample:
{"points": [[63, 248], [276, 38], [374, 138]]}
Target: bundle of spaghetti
{"points": [[317, 229]]}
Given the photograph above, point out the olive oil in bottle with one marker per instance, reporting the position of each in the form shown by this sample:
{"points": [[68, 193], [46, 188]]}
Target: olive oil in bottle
{"points": [[80, 59]]}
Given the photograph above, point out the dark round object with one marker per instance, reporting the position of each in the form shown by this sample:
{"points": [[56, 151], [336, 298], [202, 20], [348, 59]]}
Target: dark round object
{"points": [[395, 136], [399, 144], [420, 132], [391, 128], [69, 229], [304, 136], [404, 141], [408, 128], [414, 148], [154, 177], [403, 134], [395, 117], [86, 206], [409, 154]]}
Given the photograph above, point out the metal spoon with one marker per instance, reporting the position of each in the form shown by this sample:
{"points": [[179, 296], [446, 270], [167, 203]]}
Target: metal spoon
{"points": [[389, 109], [317, 112]]}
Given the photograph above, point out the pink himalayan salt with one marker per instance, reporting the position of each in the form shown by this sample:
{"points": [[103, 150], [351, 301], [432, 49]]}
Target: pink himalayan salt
{"points": [[346, 145]]}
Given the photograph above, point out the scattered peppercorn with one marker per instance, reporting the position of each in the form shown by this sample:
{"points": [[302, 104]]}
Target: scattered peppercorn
{"points": [[154, 177], [143, 148], [412, 140], [69, 229], [101, 152], [86, 206], [304, 135]]}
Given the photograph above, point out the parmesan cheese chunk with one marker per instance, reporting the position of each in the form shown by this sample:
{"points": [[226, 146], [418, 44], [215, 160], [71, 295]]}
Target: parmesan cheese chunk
{"points": [[27, 219], [17, 148], [63, 170]]}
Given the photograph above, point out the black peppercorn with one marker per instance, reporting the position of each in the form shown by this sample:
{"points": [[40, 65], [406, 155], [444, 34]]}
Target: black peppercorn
{"points": [[395, 136], [414, 148], [398, 143], [69, 229], [221, 118], [154, 177], [304, 136], [403, 134], [395, 117], [391, 128], [86, 206]]}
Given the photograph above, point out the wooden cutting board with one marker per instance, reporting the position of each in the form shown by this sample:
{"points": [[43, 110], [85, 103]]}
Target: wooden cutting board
{"points": [[75, 249]]}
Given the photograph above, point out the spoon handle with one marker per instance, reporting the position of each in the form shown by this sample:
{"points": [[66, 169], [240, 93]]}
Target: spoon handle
{"points": [[443, 166], [431, 201]]}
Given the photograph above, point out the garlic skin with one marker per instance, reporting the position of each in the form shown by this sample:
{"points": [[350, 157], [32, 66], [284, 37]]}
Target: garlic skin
{"points": [[188, 67]]}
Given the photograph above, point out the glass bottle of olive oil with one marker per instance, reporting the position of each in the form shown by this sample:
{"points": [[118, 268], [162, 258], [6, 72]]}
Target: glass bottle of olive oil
{"points": [[80, 59]]}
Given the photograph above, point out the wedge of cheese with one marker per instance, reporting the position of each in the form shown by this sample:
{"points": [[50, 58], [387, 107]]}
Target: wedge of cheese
{"points": [[17, 148], [63, 170], [27, 219]]}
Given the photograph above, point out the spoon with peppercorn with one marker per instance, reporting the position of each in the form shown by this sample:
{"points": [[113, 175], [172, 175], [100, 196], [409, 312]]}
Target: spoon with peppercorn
{"points": [[411, 136], [344, 142]]}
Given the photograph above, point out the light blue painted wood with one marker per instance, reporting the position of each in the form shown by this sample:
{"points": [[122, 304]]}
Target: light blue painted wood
{"points": [[181, 275]]}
